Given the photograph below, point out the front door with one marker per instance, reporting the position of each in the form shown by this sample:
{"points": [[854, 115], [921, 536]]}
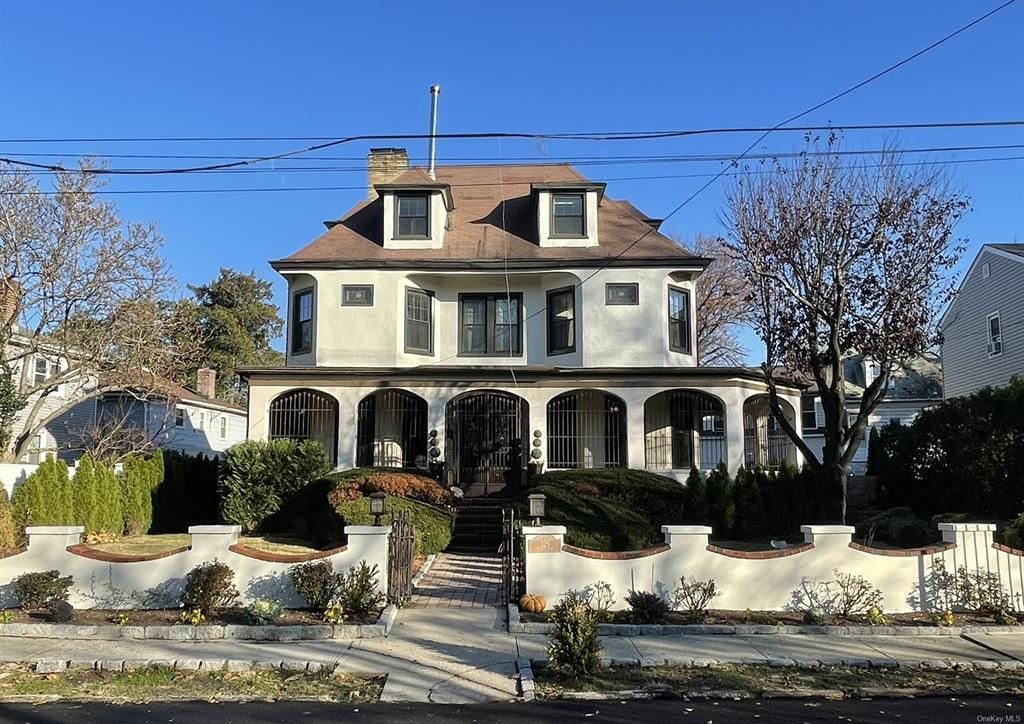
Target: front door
{"points": [[486, 433]]}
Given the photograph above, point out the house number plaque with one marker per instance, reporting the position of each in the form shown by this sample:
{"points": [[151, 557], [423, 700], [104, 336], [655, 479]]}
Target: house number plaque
{"points": [[544, 544]]}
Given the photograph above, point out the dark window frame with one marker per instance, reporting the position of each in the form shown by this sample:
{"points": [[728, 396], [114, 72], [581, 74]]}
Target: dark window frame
{"points": [[612, 302], [296, 345], [429, 295], [396, 232], [583, 215], [490, 322], [554, 351], [345, 288], [687, 346]]}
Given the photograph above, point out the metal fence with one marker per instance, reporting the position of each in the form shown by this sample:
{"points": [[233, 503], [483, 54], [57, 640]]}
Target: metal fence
{"points": [[401, 545], [305, 415], [586, 429], [391, 430], [684, 429], [765, 443]]}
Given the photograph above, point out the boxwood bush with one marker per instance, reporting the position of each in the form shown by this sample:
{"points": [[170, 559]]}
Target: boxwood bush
{"points": [[433, 525]]}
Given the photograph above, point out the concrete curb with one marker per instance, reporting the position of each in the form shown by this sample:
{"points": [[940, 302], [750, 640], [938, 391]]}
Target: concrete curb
{"points": [[52, 666], [527, 686], [517, 626], [879, 663], [424, 569]]}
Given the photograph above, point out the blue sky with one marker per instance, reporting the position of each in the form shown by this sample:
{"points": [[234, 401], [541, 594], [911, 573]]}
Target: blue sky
{"points": [[75, 70]]}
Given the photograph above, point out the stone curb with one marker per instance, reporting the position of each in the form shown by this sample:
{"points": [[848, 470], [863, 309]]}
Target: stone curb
{"points": [[424, 569], [52, 666], [527, 686], [380, 629], [879, 663], [517, 626]]}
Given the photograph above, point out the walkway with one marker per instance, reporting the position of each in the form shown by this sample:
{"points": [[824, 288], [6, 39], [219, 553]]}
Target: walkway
{"points": [[460, 580]]}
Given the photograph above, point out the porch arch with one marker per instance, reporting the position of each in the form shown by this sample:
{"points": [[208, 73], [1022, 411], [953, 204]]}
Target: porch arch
{"points": [[306, 415], [765, 443], [391, 430], [684, 429], [487, 442], [586, 429]]}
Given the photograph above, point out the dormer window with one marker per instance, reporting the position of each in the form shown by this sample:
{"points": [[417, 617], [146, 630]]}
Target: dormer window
{"points": [[567, 215], [412, 216]]}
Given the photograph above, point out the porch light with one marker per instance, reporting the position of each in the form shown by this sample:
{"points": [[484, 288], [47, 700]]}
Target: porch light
{"points": [[377, 506], [537, 501]]}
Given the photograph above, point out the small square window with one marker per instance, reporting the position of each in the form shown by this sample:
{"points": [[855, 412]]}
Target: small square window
{"points": [[357, 295], [412, 218], [622, 293]]}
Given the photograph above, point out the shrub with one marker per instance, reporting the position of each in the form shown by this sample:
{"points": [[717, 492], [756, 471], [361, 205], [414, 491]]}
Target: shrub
{"points": [[60, 611], [8, 530], [978, 591], [405, 483], [38, 590], [263, 612], [692, 597], [357, 593], [433, 525], [258, 476], [316, 583], [208, 587], [191, 617], [136, 483], [574, 648], [721, 502], [85, 495], [334, 615], [896, 526], [646, 607], [761, 618], [845, 595], [1013, 534], [696, 505], [110, 511], [817, 617], [875, 617], [45, 496], [750, 521], [601, 599]]}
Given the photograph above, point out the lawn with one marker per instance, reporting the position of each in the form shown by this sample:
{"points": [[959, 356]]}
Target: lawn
{"points": [[151, 545], [158, 683]]}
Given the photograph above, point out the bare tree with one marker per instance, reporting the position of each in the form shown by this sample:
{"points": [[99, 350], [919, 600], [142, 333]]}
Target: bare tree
{"points": [[83, 295], [843, 258], [723, 302]]}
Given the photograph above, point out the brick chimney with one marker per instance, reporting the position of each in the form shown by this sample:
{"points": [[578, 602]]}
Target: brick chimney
{"points": [[10, 300], [385, 165], [206, 382]]}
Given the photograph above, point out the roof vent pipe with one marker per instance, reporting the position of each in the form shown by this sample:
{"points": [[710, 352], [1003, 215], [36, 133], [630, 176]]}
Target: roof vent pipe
{"points": [[435, 91]]}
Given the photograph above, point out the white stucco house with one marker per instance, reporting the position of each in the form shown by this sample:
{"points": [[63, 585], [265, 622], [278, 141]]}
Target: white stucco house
{"points": [[487, 319]]}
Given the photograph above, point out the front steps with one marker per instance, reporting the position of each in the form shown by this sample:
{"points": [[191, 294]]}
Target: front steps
{"points": [[478, 523]]}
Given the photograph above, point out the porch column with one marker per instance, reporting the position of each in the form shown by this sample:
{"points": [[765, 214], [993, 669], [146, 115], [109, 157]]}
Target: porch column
{"points": [[636, 453], [734, 452], [437, 400], [348, 424], [538, 401]]}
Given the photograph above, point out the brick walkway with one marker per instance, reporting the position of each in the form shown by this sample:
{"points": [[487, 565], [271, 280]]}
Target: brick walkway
{"points": [[460, 580]]}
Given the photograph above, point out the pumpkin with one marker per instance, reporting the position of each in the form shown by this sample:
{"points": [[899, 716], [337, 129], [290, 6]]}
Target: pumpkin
{"points": [[532, 603]]}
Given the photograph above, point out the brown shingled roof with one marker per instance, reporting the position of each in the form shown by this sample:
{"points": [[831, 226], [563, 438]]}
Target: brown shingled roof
{"points": [[483, 228]]}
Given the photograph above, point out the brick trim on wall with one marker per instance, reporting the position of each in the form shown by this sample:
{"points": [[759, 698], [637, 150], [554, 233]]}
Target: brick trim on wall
{"points": [[1008, 549], [86, 551], [760, 555], [13, 552], [284, 557], [903, 552], [615, 555]]}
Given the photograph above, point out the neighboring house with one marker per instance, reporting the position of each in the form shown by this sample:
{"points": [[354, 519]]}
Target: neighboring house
{"points": [[913, 387], [490, 317], [983, 328]]}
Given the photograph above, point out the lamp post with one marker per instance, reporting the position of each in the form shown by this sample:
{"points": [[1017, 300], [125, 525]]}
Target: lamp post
{"points": [[537, 502], [377, 506]]}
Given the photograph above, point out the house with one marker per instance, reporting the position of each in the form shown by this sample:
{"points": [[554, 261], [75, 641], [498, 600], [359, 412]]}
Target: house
{"points": [[983, 328], [484, 319], [912, 387]]}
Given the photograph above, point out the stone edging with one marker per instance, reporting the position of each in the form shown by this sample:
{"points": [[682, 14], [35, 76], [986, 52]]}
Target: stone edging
{"points": [[527, 686], [379, 629], [424, 569], [53, 666], [517, 626]]}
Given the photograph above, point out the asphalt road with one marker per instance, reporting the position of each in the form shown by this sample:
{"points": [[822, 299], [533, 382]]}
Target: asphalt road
{"points": [[996, 709]]}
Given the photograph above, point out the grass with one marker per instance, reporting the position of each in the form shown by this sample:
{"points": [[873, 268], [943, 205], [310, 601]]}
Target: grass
{"points": [[149, 545], [758, 680], [160, 683]]}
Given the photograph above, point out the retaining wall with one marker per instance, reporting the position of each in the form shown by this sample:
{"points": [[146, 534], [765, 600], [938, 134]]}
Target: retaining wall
{"points": [[766, 580], [107, 580]]}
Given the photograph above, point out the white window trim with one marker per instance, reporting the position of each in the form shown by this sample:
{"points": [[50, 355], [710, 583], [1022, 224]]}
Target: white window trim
{"points": [[991, 342], [223, 427], [986, 270]]}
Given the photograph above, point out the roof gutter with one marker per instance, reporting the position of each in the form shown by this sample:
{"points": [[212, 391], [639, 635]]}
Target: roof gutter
{"points": [[673, 262]]}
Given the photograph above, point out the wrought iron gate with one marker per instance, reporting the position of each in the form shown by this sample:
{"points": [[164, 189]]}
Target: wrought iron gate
{"points": [[400, 550], [513, 559], [486, 434]]}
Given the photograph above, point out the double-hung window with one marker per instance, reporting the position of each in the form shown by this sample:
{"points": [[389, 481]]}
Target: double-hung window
{"points": [[302, 322], [202, 422], [679, 320], [179, 417], [562, 321], [995, 335], [419, 337], [43, 370], [223, 427], [490, 324], [412, 217], [567, 217]]}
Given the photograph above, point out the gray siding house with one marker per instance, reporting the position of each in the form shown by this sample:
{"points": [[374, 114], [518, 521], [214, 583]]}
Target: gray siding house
{"points": [[983, 329]]}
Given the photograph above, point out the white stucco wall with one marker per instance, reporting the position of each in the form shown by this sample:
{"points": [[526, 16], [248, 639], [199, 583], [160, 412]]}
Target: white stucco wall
{"points": [[767, 584], [254, 578]]}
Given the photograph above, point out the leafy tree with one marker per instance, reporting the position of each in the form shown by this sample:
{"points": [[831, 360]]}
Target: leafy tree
{"points": [[238, 321], [721, 501], [839, 258]]}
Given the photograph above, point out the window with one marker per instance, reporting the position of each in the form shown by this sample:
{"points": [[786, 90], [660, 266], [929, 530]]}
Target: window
{"points": [[712, 424], [678, 320], [33, 456], [223, 427], [622, 293], [302, 322], [202, 422], [412, 217], [562, 321], [418, 322], [812, 416], [43, 370], [567, 215], [490, 324], [986, 271], [995, 336], [357, 295], [179, 417]]}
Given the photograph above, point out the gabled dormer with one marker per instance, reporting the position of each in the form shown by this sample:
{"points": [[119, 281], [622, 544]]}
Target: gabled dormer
{"points": [[415, 207], [567, 212]]}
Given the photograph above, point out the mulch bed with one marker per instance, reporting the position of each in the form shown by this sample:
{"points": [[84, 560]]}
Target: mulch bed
{"points": [[169, 616], [788, 618]]}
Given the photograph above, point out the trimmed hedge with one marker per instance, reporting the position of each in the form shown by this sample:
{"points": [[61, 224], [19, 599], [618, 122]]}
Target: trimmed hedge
{"points": [[433, 525], [408, 483], [187, 495], [45, 498]]}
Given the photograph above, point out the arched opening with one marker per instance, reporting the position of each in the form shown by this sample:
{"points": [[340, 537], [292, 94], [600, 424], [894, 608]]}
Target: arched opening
{"points": [[391, 430], [586, 429], [765, 443], [485, 441], [306, 415], [684, 429]]}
